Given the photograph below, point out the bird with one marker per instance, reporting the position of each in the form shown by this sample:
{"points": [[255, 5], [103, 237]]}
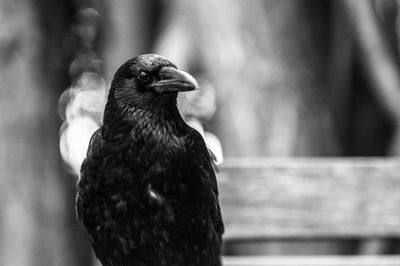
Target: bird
{"points": [[147, 194]]}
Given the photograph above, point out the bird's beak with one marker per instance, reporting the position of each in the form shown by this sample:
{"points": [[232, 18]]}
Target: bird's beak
{"points": [[174, 80]]}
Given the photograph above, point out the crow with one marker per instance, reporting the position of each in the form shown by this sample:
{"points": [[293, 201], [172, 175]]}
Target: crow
{"points": [[147, 193]]}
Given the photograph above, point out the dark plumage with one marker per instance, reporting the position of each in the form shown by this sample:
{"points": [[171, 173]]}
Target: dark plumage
{"points": [[147, 194]]}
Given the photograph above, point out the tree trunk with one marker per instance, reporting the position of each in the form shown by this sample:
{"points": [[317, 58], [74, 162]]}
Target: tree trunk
{"points": [[37, 225], [32, 207], [266, 60]]}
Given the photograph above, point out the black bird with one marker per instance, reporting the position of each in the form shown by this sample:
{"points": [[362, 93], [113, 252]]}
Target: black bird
{"points": [[147, 193]]}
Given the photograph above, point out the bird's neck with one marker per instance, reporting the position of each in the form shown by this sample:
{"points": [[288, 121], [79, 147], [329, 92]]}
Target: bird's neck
{"points": [[122, 120]]}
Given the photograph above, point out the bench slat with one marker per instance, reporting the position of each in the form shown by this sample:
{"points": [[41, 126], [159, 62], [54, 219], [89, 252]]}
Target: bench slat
{"points": [[310, 198], [312, 261]]}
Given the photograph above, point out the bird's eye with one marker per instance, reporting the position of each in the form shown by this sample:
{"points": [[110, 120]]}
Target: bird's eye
{"points": [[143, 76]]}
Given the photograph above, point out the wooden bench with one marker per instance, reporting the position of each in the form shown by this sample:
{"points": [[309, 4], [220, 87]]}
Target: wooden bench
{"points": [[313, 198]]}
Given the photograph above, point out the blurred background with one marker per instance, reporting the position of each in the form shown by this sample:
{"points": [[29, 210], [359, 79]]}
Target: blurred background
{"points": [[280, 77]]}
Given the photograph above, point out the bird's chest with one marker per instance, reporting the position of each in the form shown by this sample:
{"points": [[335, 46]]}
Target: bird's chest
{"points": [[154, 150], [147, 186], [146, 161], [156, 143]]}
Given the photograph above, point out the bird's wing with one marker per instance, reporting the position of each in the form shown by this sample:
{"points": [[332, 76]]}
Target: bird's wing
{"points": [[95, 143], [205, 161], [213, 160]]}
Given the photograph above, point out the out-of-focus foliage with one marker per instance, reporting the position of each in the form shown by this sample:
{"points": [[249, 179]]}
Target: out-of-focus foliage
{"points": [[81, 107]]}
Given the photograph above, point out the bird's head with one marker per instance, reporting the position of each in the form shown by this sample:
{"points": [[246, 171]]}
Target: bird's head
{"points": [[149, 81]]}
